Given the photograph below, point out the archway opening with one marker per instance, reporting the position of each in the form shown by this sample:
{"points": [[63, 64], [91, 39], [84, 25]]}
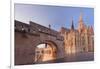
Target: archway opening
{"points": [[45, 52]]}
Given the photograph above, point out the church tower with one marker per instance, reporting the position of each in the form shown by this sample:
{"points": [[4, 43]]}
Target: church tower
{"points": [[72, 25], [81, 24]]}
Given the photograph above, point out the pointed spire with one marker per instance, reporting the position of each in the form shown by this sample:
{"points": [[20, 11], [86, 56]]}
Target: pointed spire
{"points": [[72, 25], [91, 29], [81, 17], [81, 23]]}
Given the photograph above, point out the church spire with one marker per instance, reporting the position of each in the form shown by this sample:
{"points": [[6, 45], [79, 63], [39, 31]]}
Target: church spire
{"points": [[81, 24], [81, 17], [91, 29], [72, 25]]}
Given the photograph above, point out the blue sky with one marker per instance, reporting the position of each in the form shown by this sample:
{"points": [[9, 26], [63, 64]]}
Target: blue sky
{"points": [[56, 16]]}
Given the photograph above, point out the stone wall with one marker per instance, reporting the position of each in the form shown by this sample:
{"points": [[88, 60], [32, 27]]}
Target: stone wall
{"points": [[28, 36]]}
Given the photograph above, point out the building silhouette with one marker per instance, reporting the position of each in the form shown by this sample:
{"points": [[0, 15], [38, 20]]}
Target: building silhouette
{"points": [[78, 40]]}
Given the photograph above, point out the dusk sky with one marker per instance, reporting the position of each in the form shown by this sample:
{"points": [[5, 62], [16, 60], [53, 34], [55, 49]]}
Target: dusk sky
{"points": [[56, 16]]}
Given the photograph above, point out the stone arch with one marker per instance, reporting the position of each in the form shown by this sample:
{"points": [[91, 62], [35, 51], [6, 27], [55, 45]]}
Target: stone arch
{"points": [[47, 53]]}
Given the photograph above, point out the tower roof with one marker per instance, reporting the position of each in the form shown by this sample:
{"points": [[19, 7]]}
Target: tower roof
{"points": [[91, 29], [72, 25], [81, 25], [81, 17]]}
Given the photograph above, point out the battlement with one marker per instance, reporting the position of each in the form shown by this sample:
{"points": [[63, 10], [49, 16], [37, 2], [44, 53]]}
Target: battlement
{"points": [[34, 28]]}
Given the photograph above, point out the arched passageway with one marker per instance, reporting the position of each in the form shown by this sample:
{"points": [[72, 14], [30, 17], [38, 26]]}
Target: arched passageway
{"points": [[45, 52]]}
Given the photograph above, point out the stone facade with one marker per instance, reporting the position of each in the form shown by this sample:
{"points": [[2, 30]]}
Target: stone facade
{"points": [[78, 40], [28, 36]]}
